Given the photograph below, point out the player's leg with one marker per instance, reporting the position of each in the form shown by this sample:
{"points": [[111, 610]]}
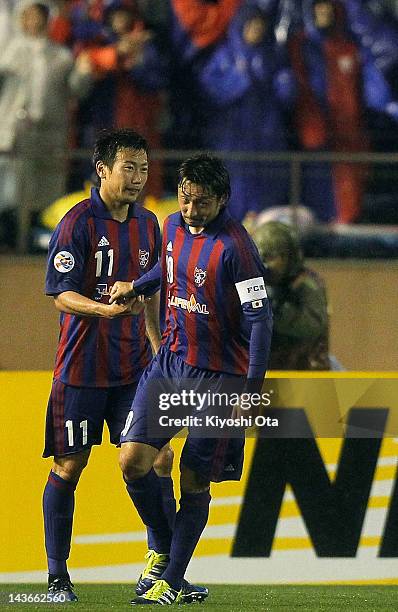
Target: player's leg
{"points": [[163, 466], [156, 562], [119, 416], [74, 424], [203, 460], [118, 408], [137, 456], [158, 378], [58, 508], [143, 486], [190, 521]]}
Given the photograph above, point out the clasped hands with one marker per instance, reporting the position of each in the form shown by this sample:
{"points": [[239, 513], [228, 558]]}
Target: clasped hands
{"points": [[122, 293]]}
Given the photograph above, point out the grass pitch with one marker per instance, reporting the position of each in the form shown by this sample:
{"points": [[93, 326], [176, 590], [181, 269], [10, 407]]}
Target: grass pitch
{"points": [[224, 598]]}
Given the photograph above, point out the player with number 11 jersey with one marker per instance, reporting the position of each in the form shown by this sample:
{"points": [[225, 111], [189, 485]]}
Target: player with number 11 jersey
{"points": [[88, 252]]}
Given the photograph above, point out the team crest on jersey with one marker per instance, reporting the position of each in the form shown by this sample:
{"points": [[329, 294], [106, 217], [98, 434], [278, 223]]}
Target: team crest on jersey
{"points": [[200, 276], [64, 261], [143, 257]]}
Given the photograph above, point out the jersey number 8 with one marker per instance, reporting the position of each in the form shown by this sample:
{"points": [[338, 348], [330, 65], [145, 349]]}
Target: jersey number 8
{"points": [[169, 268]]}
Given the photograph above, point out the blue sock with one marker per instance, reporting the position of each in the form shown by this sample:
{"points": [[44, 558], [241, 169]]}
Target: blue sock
{"points": [[168, 499], [58, 507], [190, 522], [146, 494]]}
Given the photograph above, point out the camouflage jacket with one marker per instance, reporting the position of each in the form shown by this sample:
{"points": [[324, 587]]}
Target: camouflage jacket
{"points": [[300, 339]]}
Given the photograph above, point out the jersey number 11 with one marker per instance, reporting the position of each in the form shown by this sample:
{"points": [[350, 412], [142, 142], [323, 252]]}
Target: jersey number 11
{"points": [[99, 257]]}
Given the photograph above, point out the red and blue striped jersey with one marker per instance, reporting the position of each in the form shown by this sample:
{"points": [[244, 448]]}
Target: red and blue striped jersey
{"points": [[88, 252], [212, 290]]}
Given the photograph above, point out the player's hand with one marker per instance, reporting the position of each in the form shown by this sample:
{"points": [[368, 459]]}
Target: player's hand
{"points": [[137, 304], [120, 291], [129, 306], [238, 412], [246, 411]]}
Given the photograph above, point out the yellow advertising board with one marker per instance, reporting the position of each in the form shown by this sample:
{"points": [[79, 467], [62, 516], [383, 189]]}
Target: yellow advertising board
{"points": [[317, 503]]}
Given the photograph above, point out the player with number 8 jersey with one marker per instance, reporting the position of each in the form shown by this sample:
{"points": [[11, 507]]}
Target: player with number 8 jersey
{"points": [[217, 325]]}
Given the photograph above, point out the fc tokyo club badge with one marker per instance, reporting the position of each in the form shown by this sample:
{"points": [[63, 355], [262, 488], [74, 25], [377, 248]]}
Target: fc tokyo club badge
{"points": [[200, 276], [64, 261], [143, 257]]}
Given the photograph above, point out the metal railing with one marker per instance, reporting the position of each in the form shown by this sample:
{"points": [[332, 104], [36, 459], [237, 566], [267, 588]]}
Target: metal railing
{"points": [[294, 161]]}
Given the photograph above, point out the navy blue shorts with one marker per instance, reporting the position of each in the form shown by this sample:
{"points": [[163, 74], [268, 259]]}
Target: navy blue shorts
{"points": [[76, 415], [215, 458]]}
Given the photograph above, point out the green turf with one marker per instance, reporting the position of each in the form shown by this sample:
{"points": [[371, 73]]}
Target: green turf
{"points": [[226, 598]]}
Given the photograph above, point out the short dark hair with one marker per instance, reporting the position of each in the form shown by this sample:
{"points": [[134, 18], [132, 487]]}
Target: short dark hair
{"points": [[207, 171], [109, 142]]}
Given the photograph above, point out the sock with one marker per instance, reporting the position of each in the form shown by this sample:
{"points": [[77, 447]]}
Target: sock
{"points": [[146, 494], [58, 507], [190, 522], [168, 499], [56, 567]]}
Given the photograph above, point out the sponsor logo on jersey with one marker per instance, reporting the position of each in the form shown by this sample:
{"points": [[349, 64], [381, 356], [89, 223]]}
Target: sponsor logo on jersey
{"points": [[103, 242], [169, 246], [143, 257], [101, 290], [64, 261], [199, 276], [190, 305]]}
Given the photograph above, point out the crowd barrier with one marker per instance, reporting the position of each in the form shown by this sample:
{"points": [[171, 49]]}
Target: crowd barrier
{"points": [[292, 162]]}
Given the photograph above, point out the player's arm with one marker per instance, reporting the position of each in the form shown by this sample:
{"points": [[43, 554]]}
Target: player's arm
{"points": [[152, 321], [259, 316], [248, 277], [147, 285], [259, 348], [74, 303]]}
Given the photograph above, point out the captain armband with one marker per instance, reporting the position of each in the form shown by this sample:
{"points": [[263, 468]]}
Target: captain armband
{"points": [[252, 291]]}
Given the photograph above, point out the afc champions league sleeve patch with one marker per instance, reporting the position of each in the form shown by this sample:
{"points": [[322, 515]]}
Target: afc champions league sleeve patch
{"points": [[64, 261], [252, 291]]}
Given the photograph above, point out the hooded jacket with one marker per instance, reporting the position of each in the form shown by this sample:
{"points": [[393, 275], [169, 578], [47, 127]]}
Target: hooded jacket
{"points": [[300, 339], [242, 89]]}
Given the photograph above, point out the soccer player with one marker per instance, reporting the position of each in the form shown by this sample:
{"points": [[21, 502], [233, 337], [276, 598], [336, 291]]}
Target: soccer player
{"points": [[216, 329], [103, 349]]}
